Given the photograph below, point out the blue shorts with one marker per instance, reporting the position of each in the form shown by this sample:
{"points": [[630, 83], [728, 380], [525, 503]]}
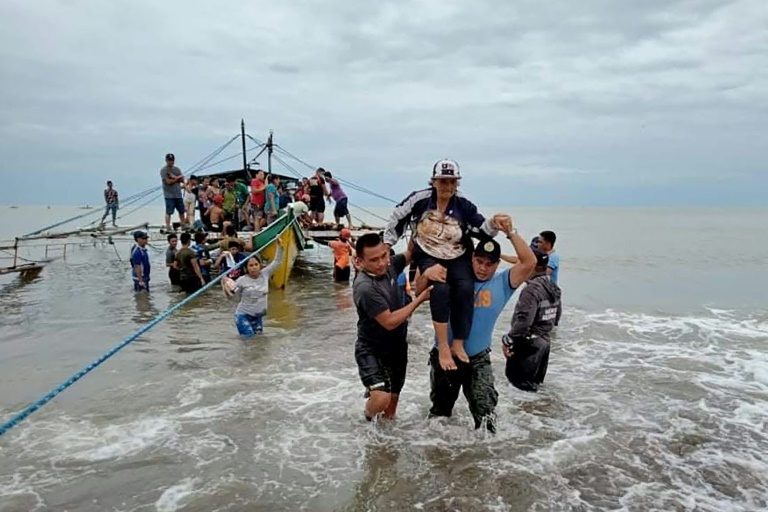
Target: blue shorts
{"points": [[111, 208], [174, 203], [249, 325]]}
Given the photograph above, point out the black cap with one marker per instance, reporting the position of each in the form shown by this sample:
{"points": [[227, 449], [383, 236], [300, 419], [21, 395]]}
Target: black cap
{"points": [[542, 258], [534, 242], [140, 234], [169, 156], [490, 249]]}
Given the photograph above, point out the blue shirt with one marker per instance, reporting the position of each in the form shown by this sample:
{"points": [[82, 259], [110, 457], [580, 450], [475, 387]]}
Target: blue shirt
{"points": [[554, 264], [490, 299], [271, 198], [201, 254], [140, 256]]}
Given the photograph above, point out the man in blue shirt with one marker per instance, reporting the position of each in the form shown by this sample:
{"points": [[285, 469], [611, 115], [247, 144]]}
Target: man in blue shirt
{"points": [[492, 292], [140, 262], [546, 244]]}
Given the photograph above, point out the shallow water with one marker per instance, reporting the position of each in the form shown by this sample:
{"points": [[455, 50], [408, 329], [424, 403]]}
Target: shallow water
{"points": [[656, 399]]}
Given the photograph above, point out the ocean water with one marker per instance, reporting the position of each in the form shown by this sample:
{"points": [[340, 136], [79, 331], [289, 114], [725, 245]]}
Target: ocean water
{"points": [[656, 398]]}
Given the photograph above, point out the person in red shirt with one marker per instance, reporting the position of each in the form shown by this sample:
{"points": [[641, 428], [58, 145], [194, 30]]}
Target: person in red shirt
{"points": [[258, 197]]}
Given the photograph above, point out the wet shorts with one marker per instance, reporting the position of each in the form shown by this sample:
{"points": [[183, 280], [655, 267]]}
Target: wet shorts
{"points": [[249, 325], [174, 203], [341, 275], [382, 372]]}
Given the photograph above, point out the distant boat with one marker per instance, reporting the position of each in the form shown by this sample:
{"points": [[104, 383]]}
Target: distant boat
{"points": [[13, 207], [86, 207]]}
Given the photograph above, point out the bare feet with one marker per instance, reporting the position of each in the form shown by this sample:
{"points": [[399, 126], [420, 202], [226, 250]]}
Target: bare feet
{"points": [[457, 349], [446, 358]]}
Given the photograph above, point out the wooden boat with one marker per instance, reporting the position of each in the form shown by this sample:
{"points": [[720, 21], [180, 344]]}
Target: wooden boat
{"points": [[287, 229]]}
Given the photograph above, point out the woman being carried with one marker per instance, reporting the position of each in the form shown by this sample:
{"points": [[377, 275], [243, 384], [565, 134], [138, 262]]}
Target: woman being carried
{"points": [[442, 222]]}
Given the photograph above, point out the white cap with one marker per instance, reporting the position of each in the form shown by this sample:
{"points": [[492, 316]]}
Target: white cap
{"points": [[445, 169]]}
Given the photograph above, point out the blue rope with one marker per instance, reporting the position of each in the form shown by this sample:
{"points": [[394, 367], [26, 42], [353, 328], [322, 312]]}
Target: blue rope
{"points": [[21, 416]]}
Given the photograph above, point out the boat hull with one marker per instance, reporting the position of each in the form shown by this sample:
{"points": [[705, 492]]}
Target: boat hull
{"points": [[287, 229]]}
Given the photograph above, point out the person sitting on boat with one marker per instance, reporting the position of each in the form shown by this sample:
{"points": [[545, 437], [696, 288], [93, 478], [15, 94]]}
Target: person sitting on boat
{"points": [[111, 200], [139, 259], [253, 288], [343, 253], [216, 213], [230, 234], [442, 222], [191, 277], [340, 198], [228, 260]]}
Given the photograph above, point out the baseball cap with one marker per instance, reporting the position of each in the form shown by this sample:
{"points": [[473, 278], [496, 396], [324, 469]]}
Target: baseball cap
{"points": [[446, 168], [140, 234], [345, 234], [534, 242], [490, 249], [169, 156], [542, 258]]}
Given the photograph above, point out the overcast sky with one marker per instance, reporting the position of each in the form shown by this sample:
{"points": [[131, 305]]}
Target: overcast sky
{"points": [[597, 102]]}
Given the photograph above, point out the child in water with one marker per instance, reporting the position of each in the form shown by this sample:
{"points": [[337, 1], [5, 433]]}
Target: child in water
{"points": [[442, 222], [253, 288]]}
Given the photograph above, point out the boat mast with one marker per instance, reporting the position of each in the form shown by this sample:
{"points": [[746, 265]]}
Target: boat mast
{"points": [[269, 152], [242, 137]]}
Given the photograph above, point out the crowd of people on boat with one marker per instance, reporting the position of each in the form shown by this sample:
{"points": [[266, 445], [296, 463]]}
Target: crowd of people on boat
{"points": [[208, 202], [451, 261]]}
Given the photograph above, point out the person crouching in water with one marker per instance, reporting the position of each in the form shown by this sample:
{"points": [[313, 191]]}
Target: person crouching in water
{"points": [[444, 222], [526, 346], [253, 288]]}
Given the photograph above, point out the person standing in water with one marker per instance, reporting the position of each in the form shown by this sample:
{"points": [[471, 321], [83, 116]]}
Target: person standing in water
{"points": [[139, 259], [526, 346], [112, 204], [381, 350], [493, 290], [253, 288], [442, 222]]}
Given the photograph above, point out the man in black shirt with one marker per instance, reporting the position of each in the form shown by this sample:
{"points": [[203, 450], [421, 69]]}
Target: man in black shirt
{"points": [[381, 350]]}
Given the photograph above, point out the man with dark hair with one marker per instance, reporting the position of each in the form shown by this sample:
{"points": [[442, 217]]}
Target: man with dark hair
{"points": [[546, 244], [111, 200], [203, 256], [170, 260], [140, 265], [526, 346], [493, 290], [191, 278], [272, 204], [381, 350], [174, 200]]}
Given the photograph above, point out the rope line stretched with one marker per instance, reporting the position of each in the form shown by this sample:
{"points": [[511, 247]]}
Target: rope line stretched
{"points": [[27, 411]]}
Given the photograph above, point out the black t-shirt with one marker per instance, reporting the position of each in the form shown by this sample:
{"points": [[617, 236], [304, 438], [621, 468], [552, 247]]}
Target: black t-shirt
{"points": [[372, 297]]}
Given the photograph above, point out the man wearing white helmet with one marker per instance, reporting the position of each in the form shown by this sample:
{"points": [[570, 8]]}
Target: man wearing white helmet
{"points": [[442, 221]]}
